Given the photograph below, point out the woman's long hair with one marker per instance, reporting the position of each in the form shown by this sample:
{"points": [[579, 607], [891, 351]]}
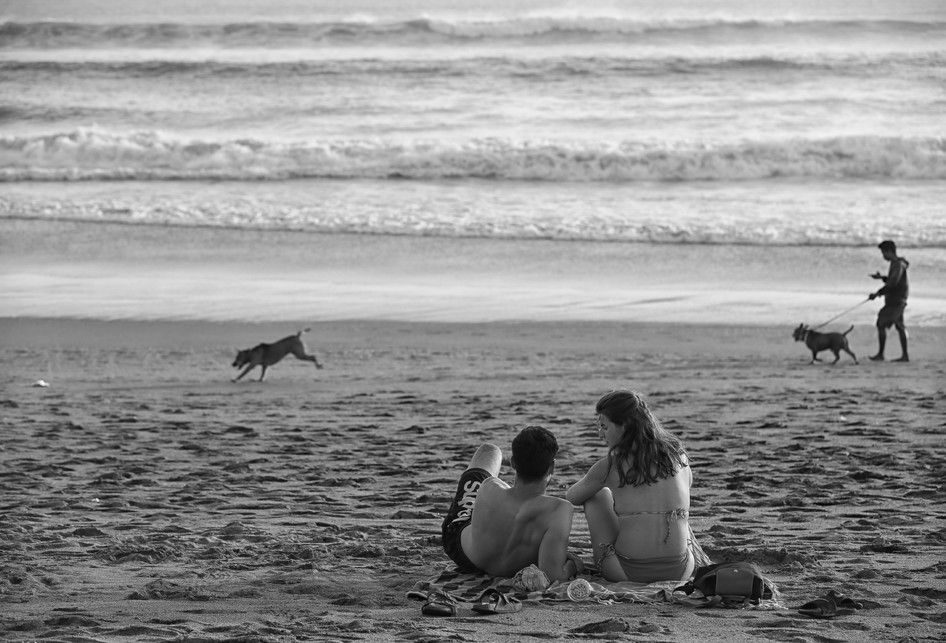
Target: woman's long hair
{"points": [[647, 452]]}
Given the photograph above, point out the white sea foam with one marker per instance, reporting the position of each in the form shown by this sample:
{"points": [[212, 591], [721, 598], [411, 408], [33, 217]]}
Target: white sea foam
{"points": [[752, 213], [93, 154]]}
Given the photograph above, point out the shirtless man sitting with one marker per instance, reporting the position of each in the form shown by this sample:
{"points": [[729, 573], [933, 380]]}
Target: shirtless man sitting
{"points": [[498, 529]]}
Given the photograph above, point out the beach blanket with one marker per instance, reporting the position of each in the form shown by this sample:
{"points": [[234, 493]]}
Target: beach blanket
{"points": [[465, 587]]}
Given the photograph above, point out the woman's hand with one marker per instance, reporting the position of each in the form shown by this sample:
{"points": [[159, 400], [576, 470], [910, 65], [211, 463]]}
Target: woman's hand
{"points": [[573, 566]]}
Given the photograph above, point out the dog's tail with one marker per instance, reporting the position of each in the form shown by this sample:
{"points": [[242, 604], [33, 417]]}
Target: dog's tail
{"points": [[306, 330], [848, 330]]}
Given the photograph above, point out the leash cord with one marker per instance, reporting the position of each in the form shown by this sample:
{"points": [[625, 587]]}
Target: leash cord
{"points": [[843, 313]]}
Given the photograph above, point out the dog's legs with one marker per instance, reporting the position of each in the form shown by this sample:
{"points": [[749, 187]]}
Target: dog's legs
{"points": [[306, 357], [263, 374], [837, 356], [245, 371], [848, 351], [814, 358]]}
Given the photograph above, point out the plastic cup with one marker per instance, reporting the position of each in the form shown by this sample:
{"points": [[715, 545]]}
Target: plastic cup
{"points": [[578, 590]]}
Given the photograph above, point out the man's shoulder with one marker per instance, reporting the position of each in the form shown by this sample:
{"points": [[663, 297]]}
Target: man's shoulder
{"points": [[498, 493], [493, 485], [558, 515], [491, 490], [555, 505], [559, 502]]}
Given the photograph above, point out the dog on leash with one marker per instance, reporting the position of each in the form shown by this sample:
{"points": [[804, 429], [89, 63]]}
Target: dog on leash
{"points": [[265, 355], [817, 342]]}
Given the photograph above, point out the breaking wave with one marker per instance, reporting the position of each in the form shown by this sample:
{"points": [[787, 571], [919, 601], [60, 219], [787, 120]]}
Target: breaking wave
{"points": [[425, 30], [95, 154], [867, 63]]}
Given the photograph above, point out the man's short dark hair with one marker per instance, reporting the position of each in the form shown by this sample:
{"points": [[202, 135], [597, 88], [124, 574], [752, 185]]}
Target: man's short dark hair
{"points": [[887, 244], [533, 452]]}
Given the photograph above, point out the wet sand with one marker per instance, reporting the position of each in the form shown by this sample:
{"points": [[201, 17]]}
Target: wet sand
{"points": [[52, 268], [146, 497]]}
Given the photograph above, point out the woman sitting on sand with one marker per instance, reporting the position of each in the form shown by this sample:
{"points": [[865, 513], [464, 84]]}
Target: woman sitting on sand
{"points": [[637, 498]]}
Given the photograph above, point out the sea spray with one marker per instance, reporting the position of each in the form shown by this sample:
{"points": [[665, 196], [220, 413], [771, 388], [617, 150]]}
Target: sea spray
{"points": [[99, 154]]}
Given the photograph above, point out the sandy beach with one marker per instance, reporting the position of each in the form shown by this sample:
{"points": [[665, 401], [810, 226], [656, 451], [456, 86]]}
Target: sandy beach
{"points": [[488, 214], [149, 498]]}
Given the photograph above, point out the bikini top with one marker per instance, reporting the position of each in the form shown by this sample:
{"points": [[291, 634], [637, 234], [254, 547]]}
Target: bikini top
{"points": [[674, 514]]}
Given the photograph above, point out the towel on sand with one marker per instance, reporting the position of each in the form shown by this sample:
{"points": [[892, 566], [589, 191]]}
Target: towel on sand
{"points": [[464, 587], [467, 588]]}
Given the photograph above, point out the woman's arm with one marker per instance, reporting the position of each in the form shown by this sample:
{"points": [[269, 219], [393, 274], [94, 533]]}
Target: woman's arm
{"points": [[591, 484]]}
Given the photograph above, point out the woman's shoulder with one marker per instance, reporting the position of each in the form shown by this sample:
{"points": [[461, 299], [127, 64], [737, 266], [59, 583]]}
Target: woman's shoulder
{"points": [[602, 466]]}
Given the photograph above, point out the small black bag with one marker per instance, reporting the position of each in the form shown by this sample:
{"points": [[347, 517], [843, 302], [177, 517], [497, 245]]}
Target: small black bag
{"points": [[732, 581]]}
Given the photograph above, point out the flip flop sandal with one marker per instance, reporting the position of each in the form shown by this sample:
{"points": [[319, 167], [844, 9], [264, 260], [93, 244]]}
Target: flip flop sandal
{"points": [[439, 604], [823, 608], [819, 608], [844, 601], [492, 601]]}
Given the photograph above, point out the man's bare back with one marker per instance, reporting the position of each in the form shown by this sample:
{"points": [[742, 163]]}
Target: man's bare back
{"points": [[498, 529], [514, 527]]}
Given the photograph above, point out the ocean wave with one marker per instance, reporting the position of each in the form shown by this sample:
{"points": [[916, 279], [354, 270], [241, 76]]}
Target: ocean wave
{"points": [[809, 229], [432, 31], [870, 63], [95, 154]]}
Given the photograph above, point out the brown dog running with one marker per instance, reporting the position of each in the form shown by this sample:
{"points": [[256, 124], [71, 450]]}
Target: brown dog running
{"points": [[817, 342], [266, 355]]}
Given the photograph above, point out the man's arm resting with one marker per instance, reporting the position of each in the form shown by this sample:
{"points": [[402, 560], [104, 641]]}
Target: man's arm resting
{"points": [[553, 551]]}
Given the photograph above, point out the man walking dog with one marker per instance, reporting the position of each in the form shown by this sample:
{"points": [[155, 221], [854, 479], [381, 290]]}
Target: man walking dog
{"points": [[895, 290]]}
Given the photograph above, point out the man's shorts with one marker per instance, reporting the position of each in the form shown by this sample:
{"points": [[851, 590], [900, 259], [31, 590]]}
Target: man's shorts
{"points": [[890, 314], [459, 516]]}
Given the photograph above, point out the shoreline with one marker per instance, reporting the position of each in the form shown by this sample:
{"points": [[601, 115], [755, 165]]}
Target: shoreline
{"points": [[117, 271]]}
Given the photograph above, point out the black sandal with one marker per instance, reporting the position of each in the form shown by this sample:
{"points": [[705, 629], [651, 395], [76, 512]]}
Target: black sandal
{"points": [[439, 603]]}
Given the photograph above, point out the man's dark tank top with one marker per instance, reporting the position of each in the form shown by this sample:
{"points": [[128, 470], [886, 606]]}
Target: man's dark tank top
{"points": [[900, 290]]}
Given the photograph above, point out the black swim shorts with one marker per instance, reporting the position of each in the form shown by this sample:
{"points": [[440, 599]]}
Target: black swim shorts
{"points": [[459, 516], [891, 314]]}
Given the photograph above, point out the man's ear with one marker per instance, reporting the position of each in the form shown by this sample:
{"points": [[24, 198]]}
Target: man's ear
{"points": [[512, 461], [551, 469]]}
